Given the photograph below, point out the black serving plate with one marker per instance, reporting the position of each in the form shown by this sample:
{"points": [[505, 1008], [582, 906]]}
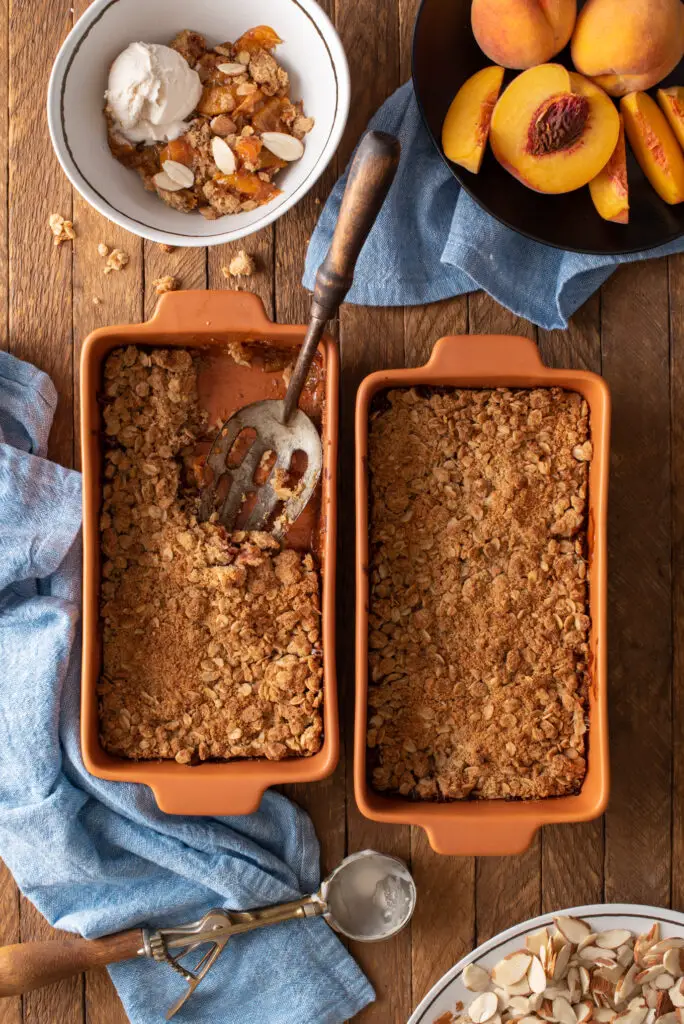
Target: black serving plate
{"points": [[445, 54]]}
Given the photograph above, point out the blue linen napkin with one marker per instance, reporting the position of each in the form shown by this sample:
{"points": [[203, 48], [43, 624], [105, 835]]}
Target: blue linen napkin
{"points": [[97, 857], [432, 241]]}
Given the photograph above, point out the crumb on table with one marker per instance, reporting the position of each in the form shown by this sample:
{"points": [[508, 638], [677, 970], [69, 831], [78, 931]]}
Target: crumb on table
{"points": [[116, 260], [62, 230], [241, 265], [166, 284]]}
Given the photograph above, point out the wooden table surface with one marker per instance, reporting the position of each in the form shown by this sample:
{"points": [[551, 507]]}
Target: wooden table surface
{"points": [[633, 333]]}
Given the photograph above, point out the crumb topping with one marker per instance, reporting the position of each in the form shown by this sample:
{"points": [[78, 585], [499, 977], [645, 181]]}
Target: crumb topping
{"points": [[211, 640], [479, 618]]}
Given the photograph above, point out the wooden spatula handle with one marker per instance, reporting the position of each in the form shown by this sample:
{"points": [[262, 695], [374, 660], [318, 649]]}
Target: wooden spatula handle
{"points": [[30, 965], [370, 176]]}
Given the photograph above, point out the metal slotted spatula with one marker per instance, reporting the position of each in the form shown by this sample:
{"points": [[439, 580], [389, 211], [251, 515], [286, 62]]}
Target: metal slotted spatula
{"points": [[279, 426]]}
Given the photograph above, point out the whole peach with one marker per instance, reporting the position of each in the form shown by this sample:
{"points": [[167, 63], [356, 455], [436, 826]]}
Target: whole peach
{"points": [[628, 45], [522, 33]]}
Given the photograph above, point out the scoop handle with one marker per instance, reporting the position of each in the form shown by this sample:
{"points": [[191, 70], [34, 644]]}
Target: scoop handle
{"points": [[370, 176], [29, 965]]}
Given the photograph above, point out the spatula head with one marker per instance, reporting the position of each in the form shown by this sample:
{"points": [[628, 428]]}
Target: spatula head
{"points": [[272, 435]]}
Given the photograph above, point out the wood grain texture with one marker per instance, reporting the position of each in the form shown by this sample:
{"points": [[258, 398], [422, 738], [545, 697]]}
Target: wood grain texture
{"points": [[635, 345], [676, 293], [572, 855]]}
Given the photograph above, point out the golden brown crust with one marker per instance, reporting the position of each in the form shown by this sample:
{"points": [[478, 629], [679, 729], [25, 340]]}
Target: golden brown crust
{"points": [[211, 640], [478, 599]]}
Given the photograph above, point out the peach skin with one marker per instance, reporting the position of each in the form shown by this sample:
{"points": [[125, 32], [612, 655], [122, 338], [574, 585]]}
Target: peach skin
{"points": [[628, 45], [672, 104], [466, 126], [553, 130], [609, 189], [521, 33], [654, 145]]}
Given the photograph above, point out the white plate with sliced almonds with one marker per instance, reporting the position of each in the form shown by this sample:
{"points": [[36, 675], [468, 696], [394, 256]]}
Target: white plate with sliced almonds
{"points": [[606, 964]]}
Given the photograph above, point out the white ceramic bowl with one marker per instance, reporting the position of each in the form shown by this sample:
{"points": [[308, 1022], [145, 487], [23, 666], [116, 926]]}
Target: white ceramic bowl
{"points": [[311, 52], [442, 999]]}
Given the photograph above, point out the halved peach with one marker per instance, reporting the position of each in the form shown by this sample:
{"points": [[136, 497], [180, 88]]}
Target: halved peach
{"points": [[609, 189], [654, 145], [553, 129], [466, 126], [672, 104]]}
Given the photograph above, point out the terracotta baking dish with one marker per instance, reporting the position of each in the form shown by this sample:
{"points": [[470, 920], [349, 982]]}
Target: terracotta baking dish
{"points": [[206, 320], [496, 826]]}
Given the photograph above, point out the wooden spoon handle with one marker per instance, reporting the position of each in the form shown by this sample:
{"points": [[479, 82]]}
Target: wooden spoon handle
{"points": [[370, 177], [30, 965]]}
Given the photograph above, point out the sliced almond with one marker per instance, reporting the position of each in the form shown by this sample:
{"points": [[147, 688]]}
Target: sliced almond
{"points": [[650, 994], [593, 954], [574, 985], [611, 973], [664, 981], [224, 158], [535, 940], [583, 1011], [603, 1014], [179, 173], [649, 974], [676, 994], [627, 985], [664, 944], [631, 1016], [613, 939], [519, 1005], [165, 183], [638, 1003], [545, 1011], [673, 962], [590, 940], [663, 1004], [585, 979], [483, 1008], [563, 1011], [572, 928], [521, 988], [536, 975], [529, 1019], [284, 146], [670, 1018], [625, 956], [535, 1001], [560, 967], [231, 69]]}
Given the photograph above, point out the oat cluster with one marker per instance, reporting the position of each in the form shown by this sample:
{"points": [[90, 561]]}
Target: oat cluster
{"points": [[478, 593], [211, 640]]}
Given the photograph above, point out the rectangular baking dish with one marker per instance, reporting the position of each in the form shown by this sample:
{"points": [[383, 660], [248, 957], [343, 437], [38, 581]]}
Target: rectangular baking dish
{"points": [[491, 826], [202, 319]]}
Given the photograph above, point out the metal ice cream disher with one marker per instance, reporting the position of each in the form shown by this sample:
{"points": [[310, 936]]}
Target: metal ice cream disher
{"points": [[370, 896]]}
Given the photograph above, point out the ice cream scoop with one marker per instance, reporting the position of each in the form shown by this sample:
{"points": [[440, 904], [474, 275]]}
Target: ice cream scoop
{"points": [[151, 91]]}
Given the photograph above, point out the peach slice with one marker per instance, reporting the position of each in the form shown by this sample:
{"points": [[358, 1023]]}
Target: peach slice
{"points": [[466, 126], [609, 189], [553, 130], [672, 104], [522, 33], [654, 145], [626, 45]]}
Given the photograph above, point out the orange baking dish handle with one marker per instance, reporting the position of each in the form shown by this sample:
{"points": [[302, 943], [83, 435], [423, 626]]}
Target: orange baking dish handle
{"points": [[178, 795], [195, 311], [485, 839], [480, 354]]}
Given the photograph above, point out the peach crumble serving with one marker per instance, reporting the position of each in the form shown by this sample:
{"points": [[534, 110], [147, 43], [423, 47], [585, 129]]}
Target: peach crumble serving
{"points": [[207, 129], [479, 622], [211, 640]]}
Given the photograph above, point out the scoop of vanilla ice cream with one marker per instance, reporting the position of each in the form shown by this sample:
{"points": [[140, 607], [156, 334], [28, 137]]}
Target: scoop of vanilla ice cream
{"points": [[151, 90]]}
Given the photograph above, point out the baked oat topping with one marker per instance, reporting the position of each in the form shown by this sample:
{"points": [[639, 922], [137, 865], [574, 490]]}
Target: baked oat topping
{"points": [[211, 639], [116, 260], [479, 618], [166, 284], [62, 230], [102, 249], [241, 265]]}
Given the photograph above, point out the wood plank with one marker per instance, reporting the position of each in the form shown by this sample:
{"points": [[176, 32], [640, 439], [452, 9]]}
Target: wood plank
{"points": [[187, 265], [261, 248], [635, 347], [40, 273], [676, 293], [370, 339], [572, 855], [508, 889]]}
